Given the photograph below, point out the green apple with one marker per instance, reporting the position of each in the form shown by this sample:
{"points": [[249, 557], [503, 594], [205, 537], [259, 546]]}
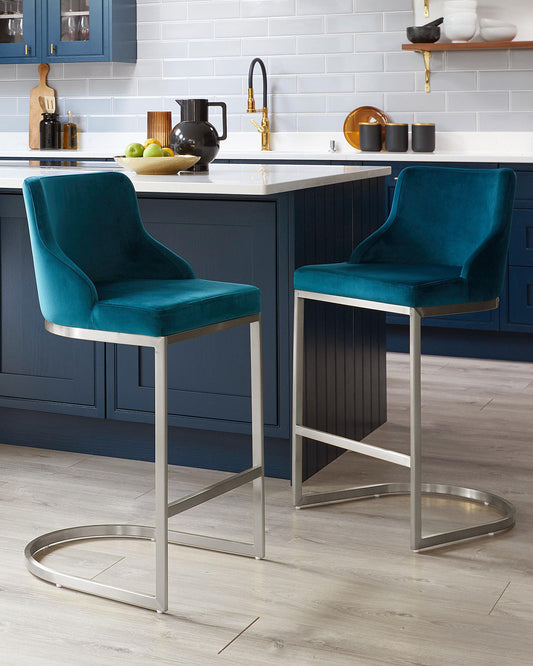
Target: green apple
{"points": [[153, 150], [134, 150]]}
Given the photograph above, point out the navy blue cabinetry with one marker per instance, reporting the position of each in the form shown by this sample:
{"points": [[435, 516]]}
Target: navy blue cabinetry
{"points": [[39, 371], [63, 31], [516, 310]]}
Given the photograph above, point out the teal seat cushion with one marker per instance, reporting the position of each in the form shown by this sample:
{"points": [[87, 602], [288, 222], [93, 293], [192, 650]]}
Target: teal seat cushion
{"points": [[412, 285], [96, 266], [164, 307], [445, 242]]}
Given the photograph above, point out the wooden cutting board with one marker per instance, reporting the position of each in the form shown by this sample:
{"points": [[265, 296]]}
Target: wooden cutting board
{"points": [[42, 90]]}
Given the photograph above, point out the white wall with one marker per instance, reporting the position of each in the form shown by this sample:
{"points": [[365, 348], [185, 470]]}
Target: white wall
{"points": [[324, 58]]}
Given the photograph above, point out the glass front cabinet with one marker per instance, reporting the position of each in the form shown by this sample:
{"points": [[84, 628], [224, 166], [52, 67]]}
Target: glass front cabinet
{"points": [[67, 31]]}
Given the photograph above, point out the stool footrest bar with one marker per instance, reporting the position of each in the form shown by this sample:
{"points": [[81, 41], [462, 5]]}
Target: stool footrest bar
{"points": [[215, 490], [353, 445], [469, 494], [82, 532]]}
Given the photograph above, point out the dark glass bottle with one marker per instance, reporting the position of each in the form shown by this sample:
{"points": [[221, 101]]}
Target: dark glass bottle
{"points": [[70, 134], [49, 131]]}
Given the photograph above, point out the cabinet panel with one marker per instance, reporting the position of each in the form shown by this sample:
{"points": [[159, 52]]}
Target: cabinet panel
{"points": [[521, 241], [209, 382], [524, 185], [519, 302], [38, 370], [75, 28], [20, 31]]}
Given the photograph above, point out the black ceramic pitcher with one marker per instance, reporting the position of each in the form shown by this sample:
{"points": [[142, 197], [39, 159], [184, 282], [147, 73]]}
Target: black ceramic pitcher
{"points": [[194, 135]]}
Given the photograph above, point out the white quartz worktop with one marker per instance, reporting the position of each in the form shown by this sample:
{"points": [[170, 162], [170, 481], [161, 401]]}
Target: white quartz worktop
{"points": [[231, 179], [472, 147]]}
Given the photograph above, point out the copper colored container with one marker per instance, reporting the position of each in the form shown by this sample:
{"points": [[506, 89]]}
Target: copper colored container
{"points": [[159, 126]]}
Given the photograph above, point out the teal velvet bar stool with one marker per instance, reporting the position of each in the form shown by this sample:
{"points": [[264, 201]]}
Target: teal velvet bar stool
{"points": [[101, 277], [443, 250]]}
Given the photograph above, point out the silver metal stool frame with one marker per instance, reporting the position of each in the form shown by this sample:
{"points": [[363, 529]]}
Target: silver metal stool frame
{"points": [[414, 461], [163, 510]]}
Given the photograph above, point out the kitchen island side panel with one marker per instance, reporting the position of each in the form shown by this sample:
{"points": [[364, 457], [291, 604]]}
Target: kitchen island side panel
{"points": [[344, 361]]}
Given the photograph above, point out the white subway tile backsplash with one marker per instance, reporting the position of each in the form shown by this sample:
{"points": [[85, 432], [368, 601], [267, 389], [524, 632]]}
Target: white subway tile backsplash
{"points": [[478, 101], [242, 28], [296, 26], [448, 81], [268, 8], [354, 23], [324, 6], [326, 44], [385, 82], [324, 58], [503, 122], [210, 10], [347, 62], [509, 80], [325, 84], [436, 101]]}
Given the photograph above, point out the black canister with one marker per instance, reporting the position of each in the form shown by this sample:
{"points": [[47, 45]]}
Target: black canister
{"points": [[423, 137], [370, 136], [396, 137], [49, 131]]}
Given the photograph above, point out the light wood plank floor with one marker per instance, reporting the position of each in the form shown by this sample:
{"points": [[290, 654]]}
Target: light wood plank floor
{"points": [[339, 585]]}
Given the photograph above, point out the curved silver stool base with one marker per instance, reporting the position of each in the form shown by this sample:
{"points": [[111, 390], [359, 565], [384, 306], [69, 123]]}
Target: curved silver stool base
{"points": [[383, 489], [72, 534]]}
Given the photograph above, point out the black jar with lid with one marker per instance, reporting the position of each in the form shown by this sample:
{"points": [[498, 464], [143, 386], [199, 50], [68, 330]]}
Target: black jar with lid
{"points": [[49, 131]]}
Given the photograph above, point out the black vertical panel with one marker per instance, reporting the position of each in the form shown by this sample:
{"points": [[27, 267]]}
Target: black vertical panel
{"points": [[344, 348]]}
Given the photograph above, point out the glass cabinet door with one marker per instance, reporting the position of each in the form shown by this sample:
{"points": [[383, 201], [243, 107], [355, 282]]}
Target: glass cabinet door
{"points": [[17, 29], [75, 28]]}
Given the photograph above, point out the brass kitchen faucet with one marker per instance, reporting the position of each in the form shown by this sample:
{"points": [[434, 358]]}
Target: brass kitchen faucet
{"points": [[264, 128]]}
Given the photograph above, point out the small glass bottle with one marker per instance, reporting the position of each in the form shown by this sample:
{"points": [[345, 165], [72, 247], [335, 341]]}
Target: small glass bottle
{"points": [[70, 134], [49, 131]]}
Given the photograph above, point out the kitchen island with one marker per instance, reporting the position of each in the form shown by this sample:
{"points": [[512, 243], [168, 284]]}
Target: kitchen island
{"points": [[239, 223]]}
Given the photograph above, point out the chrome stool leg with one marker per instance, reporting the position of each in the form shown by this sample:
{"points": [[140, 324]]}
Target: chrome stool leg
{"points": [[415, 488], [163, 509]]}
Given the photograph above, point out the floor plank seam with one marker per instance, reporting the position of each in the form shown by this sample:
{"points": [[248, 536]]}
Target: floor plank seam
{"points": [[498, 599], [238, 635], [109, 567]]}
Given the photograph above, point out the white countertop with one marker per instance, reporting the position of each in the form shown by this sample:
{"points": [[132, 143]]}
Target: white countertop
{"points": [[494, 147], [232, 179]]}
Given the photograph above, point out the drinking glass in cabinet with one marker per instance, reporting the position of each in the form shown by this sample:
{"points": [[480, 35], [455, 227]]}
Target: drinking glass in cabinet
{"points": [[10, 21], [74, 20]]}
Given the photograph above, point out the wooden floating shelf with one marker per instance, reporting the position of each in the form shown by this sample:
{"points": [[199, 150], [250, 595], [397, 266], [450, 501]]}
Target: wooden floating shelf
{"points": [[426, 50], [467, 46]]}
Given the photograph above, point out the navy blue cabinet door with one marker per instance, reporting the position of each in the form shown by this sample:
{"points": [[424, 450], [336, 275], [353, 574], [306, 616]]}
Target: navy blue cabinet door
{"points": [[209, 384], [20, 37], [75, 32], [39, 371]]}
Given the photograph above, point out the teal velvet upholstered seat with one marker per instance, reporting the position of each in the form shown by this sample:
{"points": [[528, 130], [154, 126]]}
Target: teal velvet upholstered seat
{"points": [[444, 242], [443, 250], [97, 267], [100, 276]]}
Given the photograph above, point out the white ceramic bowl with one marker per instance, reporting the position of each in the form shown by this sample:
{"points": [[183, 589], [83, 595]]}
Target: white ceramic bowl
{"points": [[499, 33], [491, 23], [157, 166]]}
